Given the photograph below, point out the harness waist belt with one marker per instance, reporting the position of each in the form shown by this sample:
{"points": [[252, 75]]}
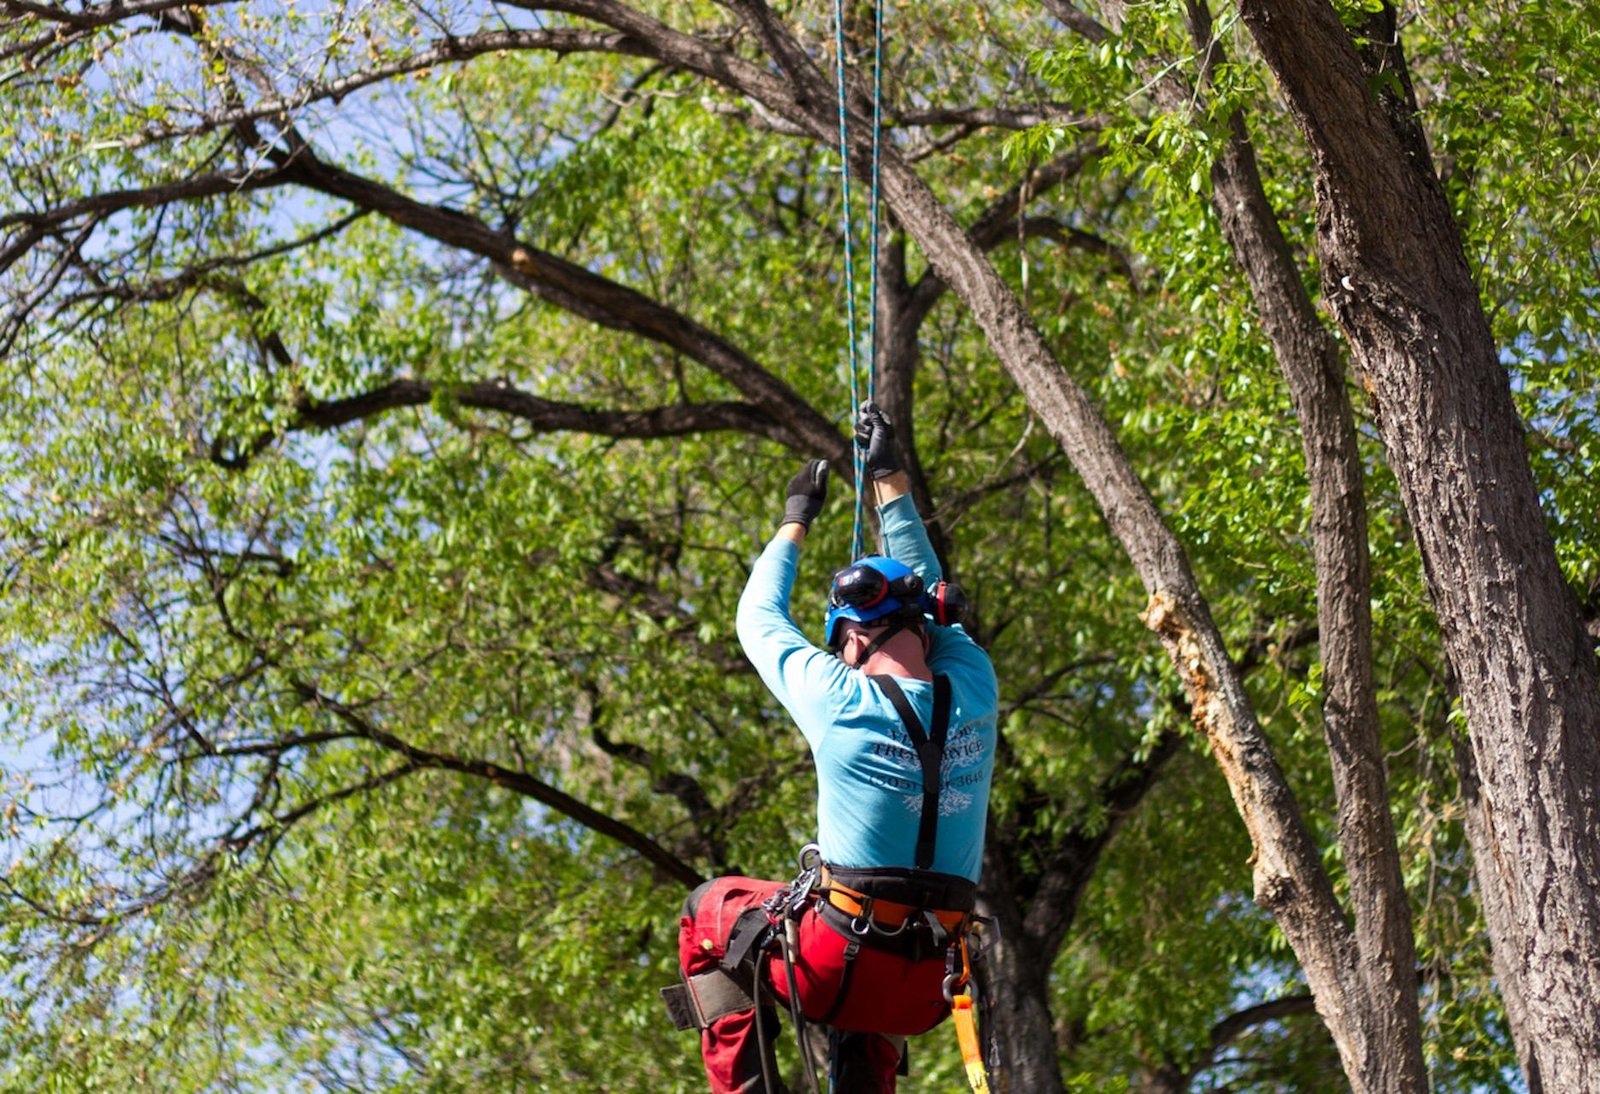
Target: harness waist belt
{"points": [[913, 888], [888, 914]]}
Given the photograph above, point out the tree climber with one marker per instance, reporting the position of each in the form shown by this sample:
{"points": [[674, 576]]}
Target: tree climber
{"points": [[899, 711]]}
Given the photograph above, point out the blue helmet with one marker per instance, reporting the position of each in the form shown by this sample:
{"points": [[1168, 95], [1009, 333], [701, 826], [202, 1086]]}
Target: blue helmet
{"points": [[872, 589]]}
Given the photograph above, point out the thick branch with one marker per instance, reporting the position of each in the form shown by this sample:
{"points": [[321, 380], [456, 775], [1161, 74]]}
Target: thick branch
{"points": [[1313, 365], [1398, 281], [542, 415], [1078, 21], [1175, 1079], [587, 294], [148, 197], [1238, 1024], [519, 782]]}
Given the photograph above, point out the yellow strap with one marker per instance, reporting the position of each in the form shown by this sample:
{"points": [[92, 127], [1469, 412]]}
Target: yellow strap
{"points": [[967, 1035]]}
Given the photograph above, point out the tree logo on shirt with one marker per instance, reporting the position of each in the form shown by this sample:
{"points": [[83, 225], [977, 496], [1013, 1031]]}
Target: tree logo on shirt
{"points": [[964, 755]]}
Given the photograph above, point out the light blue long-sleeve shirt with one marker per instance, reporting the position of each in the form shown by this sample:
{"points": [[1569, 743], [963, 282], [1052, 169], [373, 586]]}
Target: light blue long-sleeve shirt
{"points": [[869, 780]]}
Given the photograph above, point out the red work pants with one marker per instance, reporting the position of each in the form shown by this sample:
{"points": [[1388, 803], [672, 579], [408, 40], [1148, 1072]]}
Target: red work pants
{"points": [[882, 995]]}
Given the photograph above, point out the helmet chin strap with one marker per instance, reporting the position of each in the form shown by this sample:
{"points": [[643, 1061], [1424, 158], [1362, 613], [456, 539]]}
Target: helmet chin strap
{"points": [[878, 643], [885, 636]]}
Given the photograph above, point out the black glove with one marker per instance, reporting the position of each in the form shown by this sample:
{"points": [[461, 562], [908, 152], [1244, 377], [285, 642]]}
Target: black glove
{"points": [[876, 435], [807, 491]]}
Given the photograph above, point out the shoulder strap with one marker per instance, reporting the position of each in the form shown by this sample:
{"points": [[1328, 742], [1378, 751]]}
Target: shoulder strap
{"points": [[930, 753]]}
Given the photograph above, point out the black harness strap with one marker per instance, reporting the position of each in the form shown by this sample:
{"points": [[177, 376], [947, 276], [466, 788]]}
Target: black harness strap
{"points": [[930, 752], [851, 950]]}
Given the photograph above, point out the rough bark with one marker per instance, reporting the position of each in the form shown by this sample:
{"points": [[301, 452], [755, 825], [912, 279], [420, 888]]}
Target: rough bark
{"points": [[1398, 281], [1494, 901]]}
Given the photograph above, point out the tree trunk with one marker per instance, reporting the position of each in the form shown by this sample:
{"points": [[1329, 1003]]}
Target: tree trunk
{"points": [[1398, 281], [1289, 879], [1494, 902], [1383, 1011], [1019, 967], [1388, 1017]]}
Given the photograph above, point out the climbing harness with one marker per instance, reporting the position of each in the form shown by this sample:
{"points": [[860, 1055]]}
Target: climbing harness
{"points": [[930, 753], [849, 232], [785, 907], [913, 914]]}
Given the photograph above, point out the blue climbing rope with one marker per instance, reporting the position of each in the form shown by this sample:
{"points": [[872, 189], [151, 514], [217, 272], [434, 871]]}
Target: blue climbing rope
{"points": [[858, 535]]}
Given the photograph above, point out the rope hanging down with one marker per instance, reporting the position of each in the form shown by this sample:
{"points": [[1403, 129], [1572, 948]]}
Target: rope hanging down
{"points": [[857, 536]]}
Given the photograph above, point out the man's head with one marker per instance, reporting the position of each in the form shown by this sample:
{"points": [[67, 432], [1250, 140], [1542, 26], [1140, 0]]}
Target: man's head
{"points": [[858, 642], [869, 602]]}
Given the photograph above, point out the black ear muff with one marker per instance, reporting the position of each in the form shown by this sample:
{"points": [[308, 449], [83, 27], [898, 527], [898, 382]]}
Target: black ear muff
{"points": [[948, 604]]}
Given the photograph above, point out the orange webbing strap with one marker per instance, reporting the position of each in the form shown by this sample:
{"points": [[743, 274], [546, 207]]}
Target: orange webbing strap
{"points": [[961, 1013], [967, 1035]]}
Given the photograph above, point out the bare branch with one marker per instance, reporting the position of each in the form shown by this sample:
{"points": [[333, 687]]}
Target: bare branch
{"points": [[1052, 228], [992, 117], [543, 415], [1077, 20], [716, 64], [680, 785], [284, 821], [444, 50], [997, 224], [17, 320], [998, 221], [148, 197], [102, 15], [167, 288]]}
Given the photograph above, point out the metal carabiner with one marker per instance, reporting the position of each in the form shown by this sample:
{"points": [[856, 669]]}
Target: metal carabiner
{"points": [[951, 982], [904, 923], [955, 978]]}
